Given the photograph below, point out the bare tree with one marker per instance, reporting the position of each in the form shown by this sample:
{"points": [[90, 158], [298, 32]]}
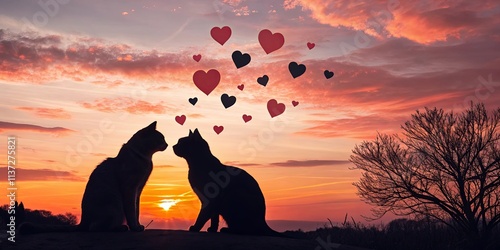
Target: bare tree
{"points": [[445, 166]]}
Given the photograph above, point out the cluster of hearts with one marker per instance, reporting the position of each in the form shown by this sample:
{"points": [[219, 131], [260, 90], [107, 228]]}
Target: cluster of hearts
{"points": [[208, 81]]}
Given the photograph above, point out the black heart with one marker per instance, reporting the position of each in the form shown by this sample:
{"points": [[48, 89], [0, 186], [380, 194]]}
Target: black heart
{"points": [[328, 74], [193, 100], [263, 80], [239, 59], [227, 100], [296, 69]]}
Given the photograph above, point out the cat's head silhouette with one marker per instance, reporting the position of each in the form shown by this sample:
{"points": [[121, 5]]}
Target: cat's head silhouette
{"points": [[192, 145], [149, 139]]}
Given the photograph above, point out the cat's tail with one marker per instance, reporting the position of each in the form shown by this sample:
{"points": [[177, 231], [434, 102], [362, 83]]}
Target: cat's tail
{"points": [[30, 228]]}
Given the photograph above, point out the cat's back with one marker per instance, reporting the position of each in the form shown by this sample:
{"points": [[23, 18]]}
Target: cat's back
{"points": [[104, 175], [106, 167], [238, 180]]}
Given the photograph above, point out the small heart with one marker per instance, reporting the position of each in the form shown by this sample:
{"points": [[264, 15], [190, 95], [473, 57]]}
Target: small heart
{"points": [[239, 59], [270, 42], [247, 118], [263, 80], [310, 45], [180, 119], [227, 100], [218, 129], [197, 57], [241, 87], [295, 103], [193, 100], [296, 69], [206, 82], [275, 108], [221, 35], [328, 74]]}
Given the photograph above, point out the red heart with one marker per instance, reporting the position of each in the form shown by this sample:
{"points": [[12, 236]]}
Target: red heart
{"points": [[206, 82], [180, 119], [247, 118], [275, 108], [221, 35], [269, 41], [311, 45], [295, 103], [241, 87], [218, 129], [197, 57]]}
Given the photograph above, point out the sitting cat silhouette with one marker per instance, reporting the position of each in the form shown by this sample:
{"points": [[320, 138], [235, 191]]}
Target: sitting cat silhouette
{"points": [[113, 191], [223, 190]]}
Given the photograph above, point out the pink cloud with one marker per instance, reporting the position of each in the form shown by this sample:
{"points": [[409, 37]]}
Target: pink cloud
{"points": [[42, 175], [39, 59], [9, 126], [424, 23], [50, 113], [360, 127], [127, 104]]}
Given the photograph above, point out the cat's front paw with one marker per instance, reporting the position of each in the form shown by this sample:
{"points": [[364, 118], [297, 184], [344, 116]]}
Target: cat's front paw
{"points": [[137, 228], [194, 229], [212, 229]]}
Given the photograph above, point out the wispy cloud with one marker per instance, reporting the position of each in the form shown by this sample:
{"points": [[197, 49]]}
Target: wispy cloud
{"points": [[360, 127], [291, 163], [125, 104], [50, 113], [39, 58], [424, 23], [309, 163], [241, 164], [41, 175], [9, 126]]}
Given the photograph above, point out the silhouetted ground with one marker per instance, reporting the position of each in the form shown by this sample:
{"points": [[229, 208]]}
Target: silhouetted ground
{"points": [[162, 239]]}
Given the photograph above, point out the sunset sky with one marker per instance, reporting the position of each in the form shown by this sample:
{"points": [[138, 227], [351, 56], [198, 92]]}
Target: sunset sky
{"points": [[78, 78]]}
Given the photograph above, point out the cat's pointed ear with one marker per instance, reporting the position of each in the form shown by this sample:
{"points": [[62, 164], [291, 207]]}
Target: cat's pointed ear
{"points": [[152, 126], [197, 133], [190, 132]]}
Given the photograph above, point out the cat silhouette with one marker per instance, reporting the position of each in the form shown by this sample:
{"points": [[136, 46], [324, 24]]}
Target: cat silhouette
{"points": [[223, 190], [113, 191]]}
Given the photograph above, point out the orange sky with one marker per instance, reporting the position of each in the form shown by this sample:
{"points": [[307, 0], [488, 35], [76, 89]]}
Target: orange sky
{"points": [[77, 84]]}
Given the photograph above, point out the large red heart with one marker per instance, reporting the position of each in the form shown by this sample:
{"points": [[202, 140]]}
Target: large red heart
{"points": [[275, 108], [206, 82], [311, 45], [247, 118], [197, 57], [180, 119], [269, 41], [221, 35], [218, 129]]}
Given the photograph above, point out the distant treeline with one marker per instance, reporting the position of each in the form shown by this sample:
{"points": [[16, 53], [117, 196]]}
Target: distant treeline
{"points": [[34, 216], [424, 234]]}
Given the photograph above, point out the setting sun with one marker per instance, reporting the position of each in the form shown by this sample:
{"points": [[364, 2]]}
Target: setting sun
{"points": [[166, 204]]}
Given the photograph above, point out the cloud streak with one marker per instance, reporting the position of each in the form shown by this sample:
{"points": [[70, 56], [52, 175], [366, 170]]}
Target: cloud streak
{"points": [[9, 126], [50, 113], [424, 23], [309, 163], [41, 175], [125, 104], [41, 58]]}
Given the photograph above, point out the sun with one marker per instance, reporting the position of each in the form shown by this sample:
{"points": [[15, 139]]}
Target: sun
{"points": [[166, 204]]}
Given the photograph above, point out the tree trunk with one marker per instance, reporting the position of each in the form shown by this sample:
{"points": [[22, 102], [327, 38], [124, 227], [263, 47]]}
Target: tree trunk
{"points": [[478, 240]]}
